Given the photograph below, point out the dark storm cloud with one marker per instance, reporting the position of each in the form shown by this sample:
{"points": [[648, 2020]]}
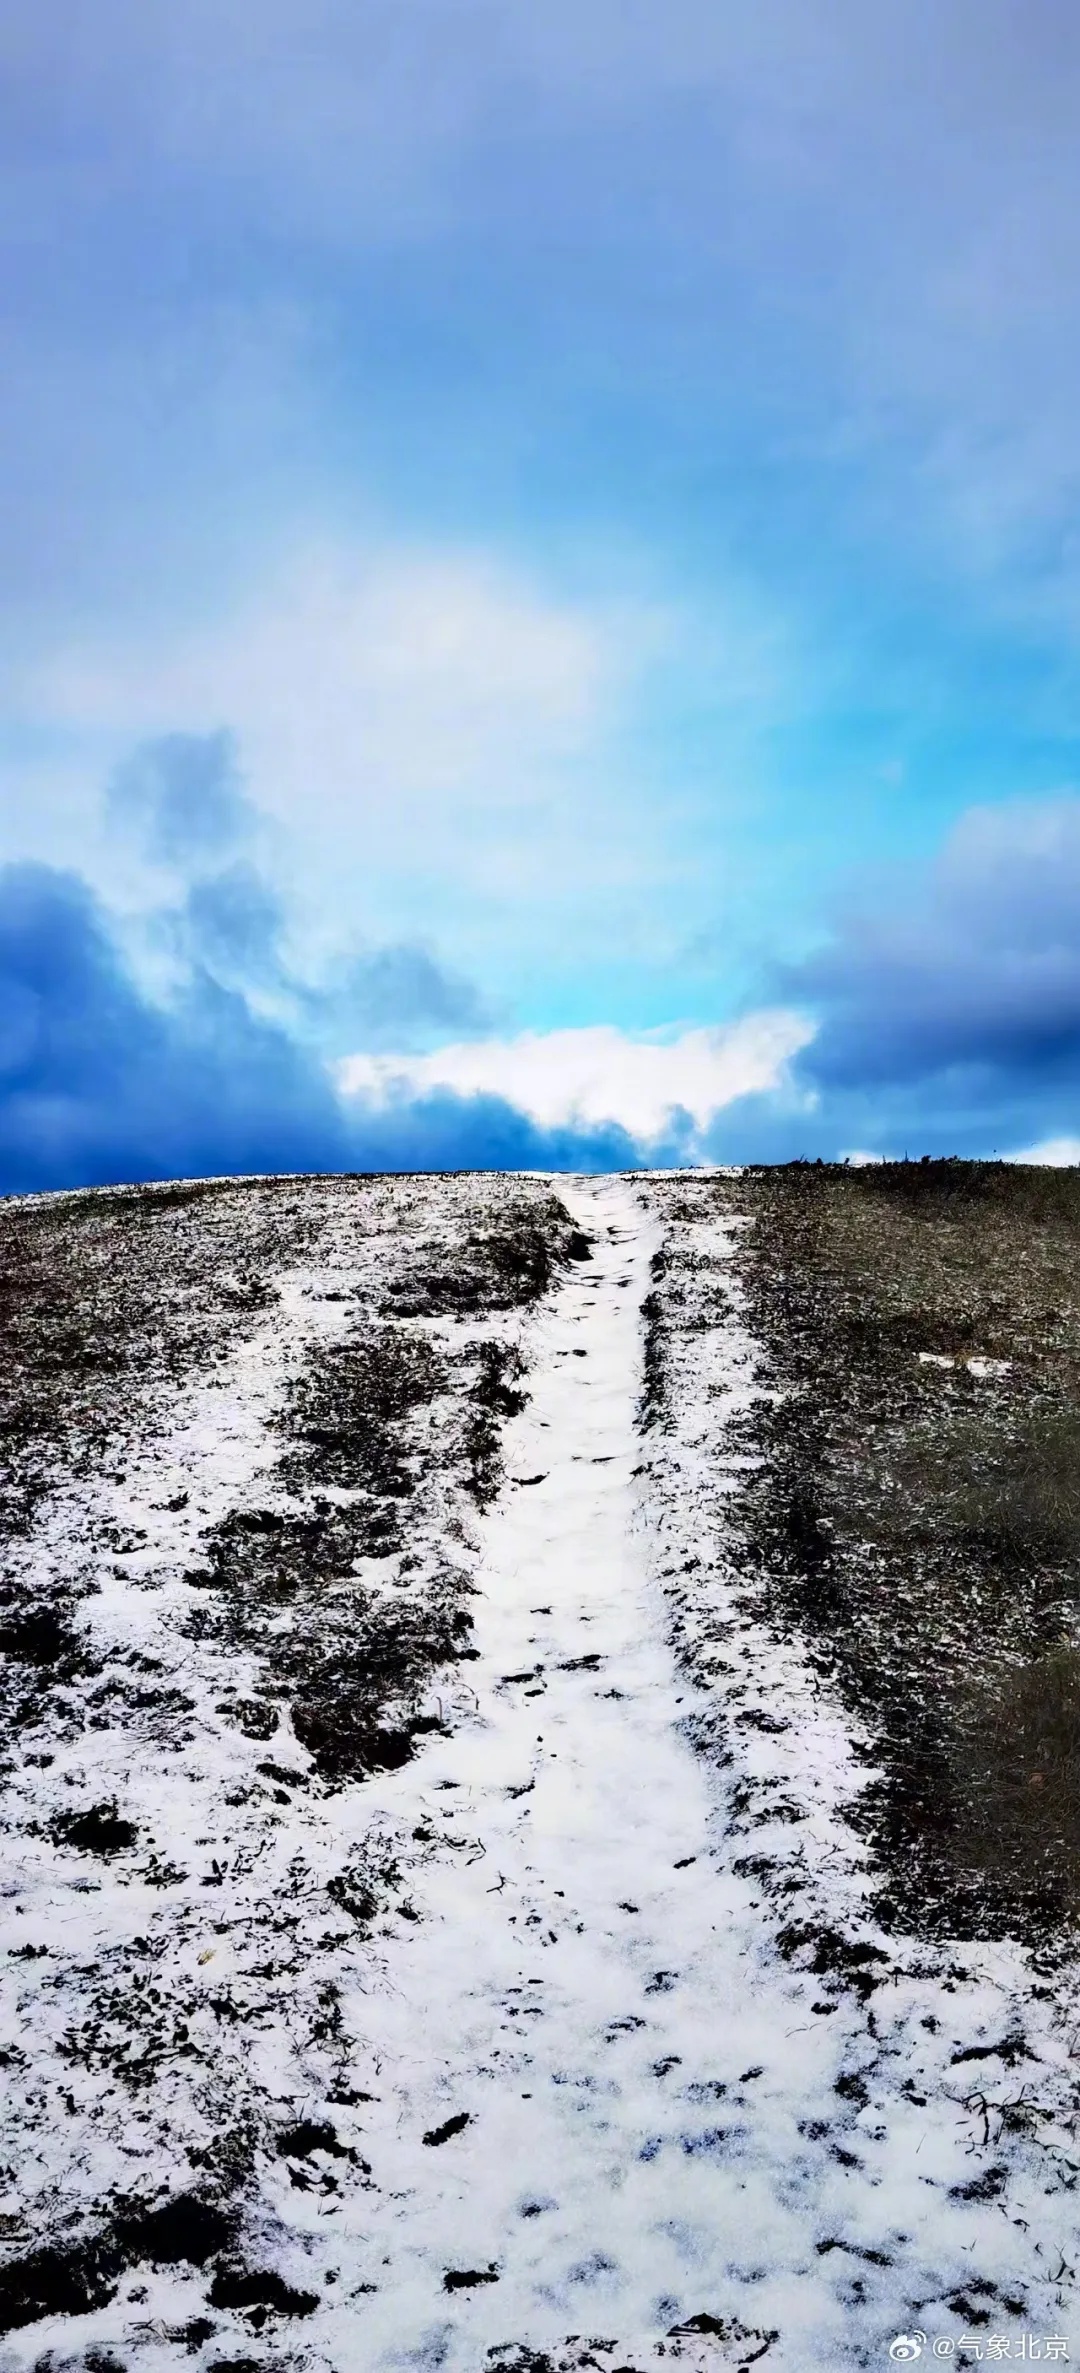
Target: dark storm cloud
{"points": [[180, 797], [98, 1083], [972, 966], [398, 997], [233, 922], [233, 925], [948, 1006], [101, 1081], [447, 1132]]}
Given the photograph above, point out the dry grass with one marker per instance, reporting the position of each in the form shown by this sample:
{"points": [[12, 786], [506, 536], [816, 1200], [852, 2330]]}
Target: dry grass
{"points": [[919, 1523], [1022, 1776], [1015, 1492]]}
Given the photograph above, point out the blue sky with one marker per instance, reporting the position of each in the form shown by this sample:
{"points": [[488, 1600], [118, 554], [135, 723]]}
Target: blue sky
{"points": [[541, 588]]}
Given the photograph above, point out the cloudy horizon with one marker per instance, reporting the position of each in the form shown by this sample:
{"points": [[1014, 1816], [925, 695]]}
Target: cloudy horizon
{"points": [[542, 591]]}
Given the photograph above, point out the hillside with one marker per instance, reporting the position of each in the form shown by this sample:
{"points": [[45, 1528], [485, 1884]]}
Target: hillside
{"points": [[542, 1771]]}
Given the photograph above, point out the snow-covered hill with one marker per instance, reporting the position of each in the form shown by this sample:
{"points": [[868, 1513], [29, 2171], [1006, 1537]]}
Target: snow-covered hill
{"points": [[439, 1930]]}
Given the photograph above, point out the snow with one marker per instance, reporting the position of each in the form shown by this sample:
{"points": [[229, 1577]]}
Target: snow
{"points": [[572, 2065], [976, 1363], [644, 2152]]}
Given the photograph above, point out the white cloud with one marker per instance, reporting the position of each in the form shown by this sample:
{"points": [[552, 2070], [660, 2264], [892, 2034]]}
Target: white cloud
{"points": [[433, 731], [355, 672], [1056, 1153], [446, 746], [586, 1078]]}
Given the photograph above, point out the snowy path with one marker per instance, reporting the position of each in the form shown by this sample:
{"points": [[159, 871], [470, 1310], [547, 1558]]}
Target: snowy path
{"points": [[568, 1991], [605, 2111]]}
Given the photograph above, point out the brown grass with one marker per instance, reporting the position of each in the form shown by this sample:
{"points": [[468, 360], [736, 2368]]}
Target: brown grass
{"points": [[1015, 1492], [920, 1525], [1022, 1776]]}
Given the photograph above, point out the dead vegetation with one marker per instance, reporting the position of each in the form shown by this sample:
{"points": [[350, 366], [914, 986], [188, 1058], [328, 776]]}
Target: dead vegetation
{"points": [[1023, 1778], [914, 1517], [310, 1611], [370, 1424], [111, 1302]]}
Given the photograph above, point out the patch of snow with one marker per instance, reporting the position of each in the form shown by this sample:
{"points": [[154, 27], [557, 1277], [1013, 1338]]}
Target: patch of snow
{"points": [[976, 1363]]}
